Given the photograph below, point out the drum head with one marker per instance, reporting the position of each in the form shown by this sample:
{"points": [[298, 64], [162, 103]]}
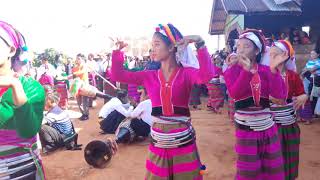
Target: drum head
{"points": [[98, 154]]}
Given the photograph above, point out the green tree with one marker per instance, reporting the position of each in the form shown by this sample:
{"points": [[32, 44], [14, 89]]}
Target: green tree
{"points": [[54, 57]]}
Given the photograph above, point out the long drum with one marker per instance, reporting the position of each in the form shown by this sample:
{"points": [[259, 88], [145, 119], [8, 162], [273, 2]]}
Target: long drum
{"points": [[78, 87]]}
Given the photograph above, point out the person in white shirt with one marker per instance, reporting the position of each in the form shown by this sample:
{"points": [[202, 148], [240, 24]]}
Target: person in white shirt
{"points": [[141, 116], [114, 111], [47, 68], [92, 69], [137, 125]]}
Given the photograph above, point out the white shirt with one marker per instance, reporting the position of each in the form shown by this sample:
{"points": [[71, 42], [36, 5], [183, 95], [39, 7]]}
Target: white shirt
{"points": [[143, 111], [92, 65], [112, 105], [50, 70], [106, 64], [132, 64], [99, 66]]}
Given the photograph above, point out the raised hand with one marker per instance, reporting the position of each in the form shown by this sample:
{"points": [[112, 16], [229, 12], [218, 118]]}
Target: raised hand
{"points": [[244, 62], [276, 60], [231, 60], [189, 39], [120, 44]]}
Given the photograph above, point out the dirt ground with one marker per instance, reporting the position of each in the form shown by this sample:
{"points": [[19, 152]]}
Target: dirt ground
{"points": [[215, 139]]}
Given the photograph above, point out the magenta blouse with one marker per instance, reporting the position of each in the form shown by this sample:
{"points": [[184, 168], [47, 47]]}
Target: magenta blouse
{"points": [[238, 85], [169, 98]]}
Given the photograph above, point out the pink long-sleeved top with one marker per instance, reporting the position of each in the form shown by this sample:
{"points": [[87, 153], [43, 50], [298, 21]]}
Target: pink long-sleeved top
{"points": [[169, 98], [238, 85]]}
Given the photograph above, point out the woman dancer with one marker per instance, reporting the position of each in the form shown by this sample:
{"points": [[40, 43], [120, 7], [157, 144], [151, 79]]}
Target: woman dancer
{"points": [[169, 90], [285, 116], [21, 110], [251, 84]]}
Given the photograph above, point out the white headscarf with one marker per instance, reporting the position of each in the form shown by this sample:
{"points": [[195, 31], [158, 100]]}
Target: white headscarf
{"points": [[186, 57], [251, 36]]}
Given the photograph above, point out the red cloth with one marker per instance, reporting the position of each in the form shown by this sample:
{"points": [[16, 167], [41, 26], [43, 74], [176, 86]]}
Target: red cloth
{"points": [[295, 84]]}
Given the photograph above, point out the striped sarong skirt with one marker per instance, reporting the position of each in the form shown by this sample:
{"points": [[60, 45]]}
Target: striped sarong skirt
{"points": [[180, 163], [216, 97], [195, 96], [290, 141], [21, 161], [289, 134], [61, 87], [259, 153], [231, 109]]}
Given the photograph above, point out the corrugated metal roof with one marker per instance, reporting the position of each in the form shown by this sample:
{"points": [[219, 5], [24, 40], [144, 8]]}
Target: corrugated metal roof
{"points": [[218, 18], [249, 7], [289, 6], [259, 7], [255, 5], [233, 5]]}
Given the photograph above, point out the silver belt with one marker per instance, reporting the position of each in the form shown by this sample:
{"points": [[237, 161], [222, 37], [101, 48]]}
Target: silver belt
{"points": [[284, 115], [6, 171], [255, 122], [172, 140]]}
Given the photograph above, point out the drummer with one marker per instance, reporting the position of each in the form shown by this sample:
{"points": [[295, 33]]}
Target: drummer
{"points": [[58, 125], [80, 71]]}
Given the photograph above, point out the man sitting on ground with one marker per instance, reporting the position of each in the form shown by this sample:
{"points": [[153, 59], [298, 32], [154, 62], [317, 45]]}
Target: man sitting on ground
{"points": [[114, 112], [58, 126], [141, 115]]}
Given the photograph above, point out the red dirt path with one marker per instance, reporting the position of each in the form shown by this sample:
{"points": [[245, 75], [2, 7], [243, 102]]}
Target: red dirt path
{"points": [[215, 139]]}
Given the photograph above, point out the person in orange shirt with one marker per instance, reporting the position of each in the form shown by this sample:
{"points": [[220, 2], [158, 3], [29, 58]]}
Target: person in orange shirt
{"points": [[80, 71]]}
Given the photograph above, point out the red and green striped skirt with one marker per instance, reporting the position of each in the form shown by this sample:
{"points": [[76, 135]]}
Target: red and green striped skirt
{"points": [[231, 109], [290, 142], [216, 97], [195, 96], [62, 90]]}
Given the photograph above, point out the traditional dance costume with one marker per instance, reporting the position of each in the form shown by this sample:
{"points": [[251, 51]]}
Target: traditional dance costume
{"points": [[285, 117], [195, 95], [216, 97], [62, 90], [173, 152], [257, 141], [258, 145], [289, 130], [19, 155], [231, 109]]}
